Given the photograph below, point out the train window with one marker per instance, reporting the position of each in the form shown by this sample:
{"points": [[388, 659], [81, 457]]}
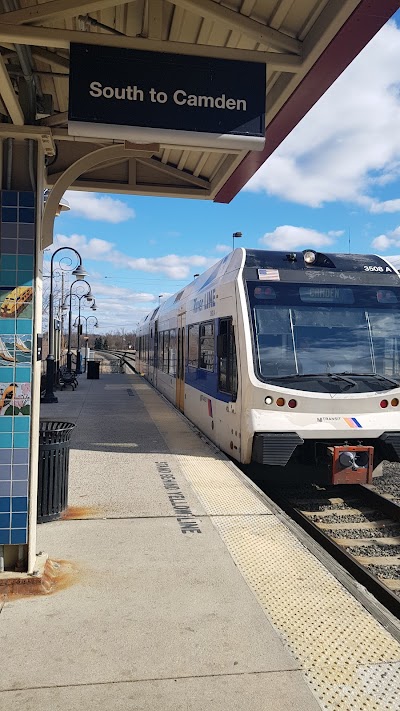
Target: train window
{"points": [[207, 348], [172, 352], [160, 350], [227, 363], [165, 352], [386, 297], [193, 345]]}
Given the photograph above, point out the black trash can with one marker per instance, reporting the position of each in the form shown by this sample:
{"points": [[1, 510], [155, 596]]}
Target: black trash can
{"points": [[54, 442], [93, 369]]}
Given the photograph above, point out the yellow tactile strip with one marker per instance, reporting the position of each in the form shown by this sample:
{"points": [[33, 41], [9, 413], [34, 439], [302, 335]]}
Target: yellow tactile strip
{"points": [[334, 638], [219, 489], [350, 661]]}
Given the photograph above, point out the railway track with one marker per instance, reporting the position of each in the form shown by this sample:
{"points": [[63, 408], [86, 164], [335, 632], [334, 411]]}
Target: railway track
{"points": [[360, 527], [125, 357]]}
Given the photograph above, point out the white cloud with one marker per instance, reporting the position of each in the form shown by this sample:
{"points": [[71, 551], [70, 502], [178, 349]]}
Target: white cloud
{"points": [[395, 260], [291, 237], [349, 142], [382, 242], [335, 233], [391, 239], [223, 248], [386, 206], [119, 292], [98, 207], [172, 266], [88, 248]]}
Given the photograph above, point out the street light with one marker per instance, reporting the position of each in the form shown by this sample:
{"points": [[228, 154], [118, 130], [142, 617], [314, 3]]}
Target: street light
{"points": [[88, 293], [87, 319], [236, 235], [77, 323], [88, 296], [63, 205], [79, 272]]}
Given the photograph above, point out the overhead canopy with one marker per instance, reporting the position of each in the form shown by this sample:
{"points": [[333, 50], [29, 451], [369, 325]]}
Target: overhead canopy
{"points": [[304, 44]]}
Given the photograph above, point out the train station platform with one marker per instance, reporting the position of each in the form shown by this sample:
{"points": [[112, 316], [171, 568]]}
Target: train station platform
{"points": [[179, 589]]}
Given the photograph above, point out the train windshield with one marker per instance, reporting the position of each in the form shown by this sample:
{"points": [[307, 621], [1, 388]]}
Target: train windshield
{"points": [[326, 330]]}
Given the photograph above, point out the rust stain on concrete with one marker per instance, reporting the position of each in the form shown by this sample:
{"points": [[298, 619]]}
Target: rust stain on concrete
{"points": [[79, 512], [57, 575]]}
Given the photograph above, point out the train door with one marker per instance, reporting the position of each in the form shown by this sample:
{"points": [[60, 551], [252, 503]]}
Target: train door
{"points": [[155, 354], [180, 365], [152, 349], [229, 430]]}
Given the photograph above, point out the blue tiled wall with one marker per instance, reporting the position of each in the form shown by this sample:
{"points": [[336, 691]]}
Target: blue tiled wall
{"points": [[17, 249]]}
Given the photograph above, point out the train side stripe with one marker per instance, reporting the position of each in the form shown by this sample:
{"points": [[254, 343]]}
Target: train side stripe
{"points": [[352, 422]]}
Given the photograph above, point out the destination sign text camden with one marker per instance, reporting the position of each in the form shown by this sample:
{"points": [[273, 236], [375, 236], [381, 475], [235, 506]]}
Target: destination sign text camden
{"points": [[141, 92]]}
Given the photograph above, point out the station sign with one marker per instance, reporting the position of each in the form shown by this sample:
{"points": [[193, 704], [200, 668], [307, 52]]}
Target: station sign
{"points": [[158, 97]]}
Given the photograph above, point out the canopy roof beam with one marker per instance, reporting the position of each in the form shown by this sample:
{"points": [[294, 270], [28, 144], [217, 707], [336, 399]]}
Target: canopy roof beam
{"points": [[174, 172], [9, 96], [61, 39], [260, 33], [55, 8]]}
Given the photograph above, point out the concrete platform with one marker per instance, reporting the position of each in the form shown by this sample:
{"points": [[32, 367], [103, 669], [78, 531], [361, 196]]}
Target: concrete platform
{"points": [[182, 598]]}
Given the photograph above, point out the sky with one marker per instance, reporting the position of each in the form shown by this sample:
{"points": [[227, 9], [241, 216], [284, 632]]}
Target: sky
{"points": [[335, 180]]}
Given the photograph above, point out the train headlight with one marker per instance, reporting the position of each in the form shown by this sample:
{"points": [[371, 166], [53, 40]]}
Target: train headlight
{"points": [[292, 403], [280, 402], [384, 403], [269, 400], [394, 402], [309, 256]]}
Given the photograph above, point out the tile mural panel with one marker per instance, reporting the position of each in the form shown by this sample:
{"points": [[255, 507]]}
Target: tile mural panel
{"points": [[15, 350], [17, 246]]}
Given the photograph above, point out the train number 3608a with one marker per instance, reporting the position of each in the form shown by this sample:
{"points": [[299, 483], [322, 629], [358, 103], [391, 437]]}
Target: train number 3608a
{"points": [[376, 269]]}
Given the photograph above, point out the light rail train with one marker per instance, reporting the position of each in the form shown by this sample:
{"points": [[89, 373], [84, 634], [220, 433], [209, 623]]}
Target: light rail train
{"points": [[285, 357]]}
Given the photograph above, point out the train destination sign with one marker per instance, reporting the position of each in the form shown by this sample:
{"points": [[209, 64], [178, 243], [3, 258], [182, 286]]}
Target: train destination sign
{"points": [[151, 96]]}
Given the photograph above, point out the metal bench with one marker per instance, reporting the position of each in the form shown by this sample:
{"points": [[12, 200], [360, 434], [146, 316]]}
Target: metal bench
{"points": [[67, 377]]}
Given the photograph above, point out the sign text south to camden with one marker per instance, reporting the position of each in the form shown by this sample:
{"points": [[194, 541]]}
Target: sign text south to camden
{"points": [[159, 90], [179, 97]]}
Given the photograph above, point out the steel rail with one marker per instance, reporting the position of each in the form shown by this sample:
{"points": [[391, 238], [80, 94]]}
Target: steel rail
{"points": [[359, 571]]}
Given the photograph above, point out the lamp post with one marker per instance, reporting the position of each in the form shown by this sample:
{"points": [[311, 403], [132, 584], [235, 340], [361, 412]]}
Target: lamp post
{"points": [[236, 235], [89, 297], [87, 293], [77, 323], [80, 273], [87, 319]]}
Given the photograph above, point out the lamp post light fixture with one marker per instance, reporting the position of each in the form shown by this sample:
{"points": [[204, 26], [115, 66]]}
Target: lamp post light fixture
{"points": [[79, 272], [78, 323], [87, 319], [63, 205], [88, 297], [236, 235], [87, 293]]}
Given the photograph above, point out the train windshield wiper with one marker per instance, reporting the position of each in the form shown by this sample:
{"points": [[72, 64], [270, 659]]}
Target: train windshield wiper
{"points": [[372, 375], [335, 376]]}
